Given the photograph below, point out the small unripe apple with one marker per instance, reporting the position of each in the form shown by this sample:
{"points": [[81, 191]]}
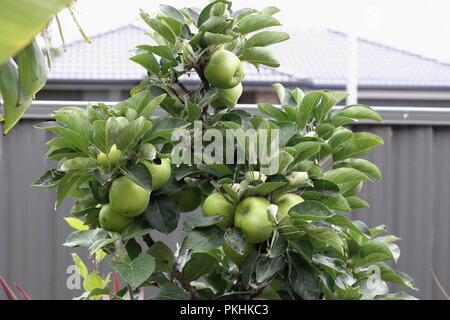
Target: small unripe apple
{"points": [[112, 220], [251, 217], [215, 204], [224, 70], [160, 172], [228, 97], [127, 197]]}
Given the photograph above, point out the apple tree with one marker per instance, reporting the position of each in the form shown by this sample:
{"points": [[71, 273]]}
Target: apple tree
{"points": [[254, 232]]}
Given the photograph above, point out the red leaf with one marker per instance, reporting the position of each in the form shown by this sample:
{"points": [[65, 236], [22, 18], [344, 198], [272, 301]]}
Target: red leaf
{"points": [[23, 293], [9, 293]]}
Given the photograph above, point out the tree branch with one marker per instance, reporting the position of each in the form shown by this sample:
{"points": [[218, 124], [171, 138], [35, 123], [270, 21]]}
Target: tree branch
{"points": [[185, 284], [177, 274], [183, 87]]}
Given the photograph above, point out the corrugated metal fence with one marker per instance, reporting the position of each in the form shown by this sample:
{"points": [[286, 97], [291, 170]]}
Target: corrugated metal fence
{"points": [[413, 200]]}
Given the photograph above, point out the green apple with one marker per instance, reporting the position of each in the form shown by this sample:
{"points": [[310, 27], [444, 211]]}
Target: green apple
{"points": [[228, 97], [224, 70], [284, 203], [215, 204], [112, 220], [235, 256], [127, 197], [251, 217], [188, 199], [255, 175], [160, 172]]}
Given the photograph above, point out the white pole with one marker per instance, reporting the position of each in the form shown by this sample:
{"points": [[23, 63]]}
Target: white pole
{"points": [[352, 77]]}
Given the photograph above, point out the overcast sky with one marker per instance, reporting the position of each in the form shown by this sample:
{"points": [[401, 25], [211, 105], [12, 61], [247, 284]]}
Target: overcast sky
{"points": [[419, 26]]}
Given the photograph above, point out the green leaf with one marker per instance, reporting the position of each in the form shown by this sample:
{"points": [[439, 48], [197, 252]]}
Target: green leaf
{"points": [[389, 274], [310, 210], [205, 239], [343, 222], [137, 271], [162, 51], [259, 55], [49, 179], [235, 238], [359, 112], [328, 238], [266, 268], [22, 20], [77, 224], [333, 202], [148, 61], [163, 255], [32, 71], [199, 266], [199, 221], [356, 203], [253, 23], [136, 229], [272, 111], [73, 138], [164, 125], [171, 291], [266, 38], [101, 243], [67, 184], [303, 279], [342, 176], [339, 137], [193, 111], [172, 12], [93, 281], [263, 189], [206, 12], [376, 250], [9, 90], [85, 238], [163, 214], [269, 11], [129, 135], [305, 150], [362, 165], [79, 264], [160, 28], [140, 174], [359, 145], [78, 164], [173, 24], [212, 39], [248, 268]]}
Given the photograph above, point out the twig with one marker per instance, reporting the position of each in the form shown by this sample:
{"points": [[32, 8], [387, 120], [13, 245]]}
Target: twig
{"points": [[440, 285], [185, 284], [183, 87]]}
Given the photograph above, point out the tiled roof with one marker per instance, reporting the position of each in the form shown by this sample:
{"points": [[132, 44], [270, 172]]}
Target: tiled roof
{"points": [[316, 55], [107, 59], [321, 55]]}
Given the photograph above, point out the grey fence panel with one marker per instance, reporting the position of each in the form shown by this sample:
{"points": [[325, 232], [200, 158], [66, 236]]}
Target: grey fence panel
{"points": [[412, 200]]}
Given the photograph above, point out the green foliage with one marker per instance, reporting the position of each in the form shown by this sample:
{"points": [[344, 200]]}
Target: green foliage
{"points": [[313, 251]]}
